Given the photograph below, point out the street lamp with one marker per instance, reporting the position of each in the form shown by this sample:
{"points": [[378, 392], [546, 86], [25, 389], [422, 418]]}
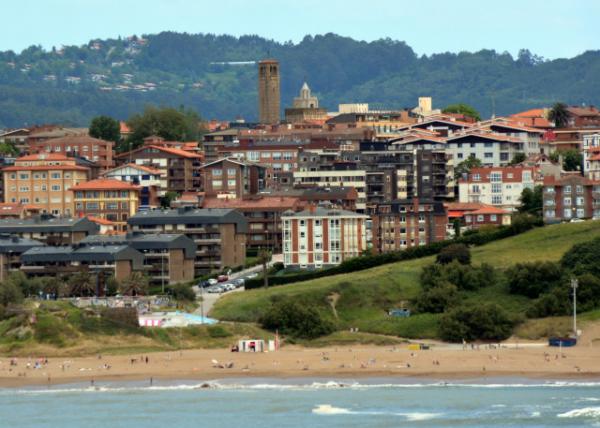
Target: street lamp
{"points": [[574, 285]]}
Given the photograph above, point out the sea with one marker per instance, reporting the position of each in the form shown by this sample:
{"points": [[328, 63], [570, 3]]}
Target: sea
{"points": [[374, 402]]}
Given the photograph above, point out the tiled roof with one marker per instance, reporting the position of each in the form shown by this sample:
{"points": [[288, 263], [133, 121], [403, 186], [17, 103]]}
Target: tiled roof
{"points": [[105, 184], [101, 221], [488, 209], [274, 202], [78, 139], [176, 152], [145, 168], [43, 157], [46, 168]]}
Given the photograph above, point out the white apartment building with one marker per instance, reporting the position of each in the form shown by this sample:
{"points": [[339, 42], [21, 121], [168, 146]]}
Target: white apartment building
{"points": [[491, 148], [336, 178], [591, 156], [501, 187], [320, 237]]}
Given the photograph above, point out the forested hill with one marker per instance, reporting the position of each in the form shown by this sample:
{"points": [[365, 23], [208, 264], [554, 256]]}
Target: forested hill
{"points": [[118, 77]]}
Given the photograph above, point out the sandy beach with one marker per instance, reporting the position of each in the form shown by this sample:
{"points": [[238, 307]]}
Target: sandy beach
{"points": [[582, 362]]}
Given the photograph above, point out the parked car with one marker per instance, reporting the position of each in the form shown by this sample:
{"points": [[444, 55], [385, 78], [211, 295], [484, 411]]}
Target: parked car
{"points": [[222, 278], [212, 281], [204, 284], [239, 282], [252, 275], [228, 286]]}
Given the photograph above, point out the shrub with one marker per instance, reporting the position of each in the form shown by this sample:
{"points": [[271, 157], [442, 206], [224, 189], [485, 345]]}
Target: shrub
{"points": [[583, 258], [437, 299], [533, 279], [465, 277], [482, 322], [218, 331], [182, 292], [588, 292], [123, 317], [10, 292], [459, 252], [548, 305], [295, 319]]}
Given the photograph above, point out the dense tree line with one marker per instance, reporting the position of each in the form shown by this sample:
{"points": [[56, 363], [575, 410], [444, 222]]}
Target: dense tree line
{"points": [[192, 70]]}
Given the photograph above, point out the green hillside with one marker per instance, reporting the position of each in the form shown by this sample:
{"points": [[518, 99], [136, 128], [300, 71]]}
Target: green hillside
{"points": [[361, 299], [216, 76]]}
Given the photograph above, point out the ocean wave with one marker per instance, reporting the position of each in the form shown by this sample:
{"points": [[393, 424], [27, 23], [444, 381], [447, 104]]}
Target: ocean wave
{"points": [[316, 385], [586, 412], [328, 409]]}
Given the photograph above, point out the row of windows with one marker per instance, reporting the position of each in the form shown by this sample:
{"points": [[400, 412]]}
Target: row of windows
{"points": [[40, 175], [107, 206], [36, 188], [94, 194]]}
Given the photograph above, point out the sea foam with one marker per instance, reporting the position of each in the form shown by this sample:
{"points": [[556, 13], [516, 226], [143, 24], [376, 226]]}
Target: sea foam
{"points": [[586, 412]]}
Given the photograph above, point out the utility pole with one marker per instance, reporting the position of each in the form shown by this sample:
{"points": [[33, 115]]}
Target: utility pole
{"points": [[574, 285]]}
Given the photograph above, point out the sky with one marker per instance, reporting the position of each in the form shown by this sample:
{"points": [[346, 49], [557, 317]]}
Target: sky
{"points": [[550, 28]]}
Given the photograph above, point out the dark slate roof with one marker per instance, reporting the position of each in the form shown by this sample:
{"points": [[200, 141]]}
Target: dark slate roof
{"points": [[189, 215], [92, 253], [14, 244], [47, 223], [323, 212], [146, 241]]}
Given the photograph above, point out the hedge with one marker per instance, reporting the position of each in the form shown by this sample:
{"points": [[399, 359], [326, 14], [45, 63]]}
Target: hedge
{"points": [[369, 261]]}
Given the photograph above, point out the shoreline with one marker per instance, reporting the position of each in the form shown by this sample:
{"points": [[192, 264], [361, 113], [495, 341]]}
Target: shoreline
{"points": [[293, 362]]}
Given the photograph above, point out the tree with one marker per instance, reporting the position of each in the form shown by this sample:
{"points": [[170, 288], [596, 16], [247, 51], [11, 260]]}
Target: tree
{"points": [[465, 109], [182, 292], [477, 322], [532, 200], [264, 256], [559, 115], [299, 320], [82, 284], [8, 149], [458, 252], [437, 299], [105, 128], [10, 292], [533, 279], [170, 196], [168, 123], [136, 284], [583, 258], [466, 166], [518, 158], [572, 160]]}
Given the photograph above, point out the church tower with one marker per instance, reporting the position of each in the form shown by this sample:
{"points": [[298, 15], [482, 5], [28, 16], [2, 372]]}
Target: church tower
{"points": [[306, 100], [268, 92]]}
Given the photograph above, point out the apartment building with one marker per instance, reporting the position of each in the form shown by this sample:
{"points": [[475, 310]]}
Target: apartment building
{"points": [[233, 178], [493, 149], [168, 258], [473, 215], [109, 199], [570, 197], [92, 149], [319, 237], [179, 169], [18, 210], [532, 138], [150, 180], [11, 248], [45, 180], [263, 214], [591, 156], [498, 186], [118, 261], [401, 224], [50, 230], [219, 234]]}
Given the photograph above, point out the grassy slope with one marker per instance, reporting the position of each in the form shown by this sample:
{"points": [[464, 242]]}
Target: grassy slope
{"points": [[62, 329], [364, 296]]}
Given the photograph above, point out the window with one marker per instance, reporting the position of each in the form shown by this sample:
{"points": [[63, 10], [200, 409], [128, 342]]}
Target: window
{"points": [[493, 217], [276, 155], [496, 199], [44, 188], [567, 201], [496, 187], [56, 187], [13, 176], [480, 218], [55, 175], [124, 205], [488, 144], [124, 193], [288, 155], [265, 155], [488, 155], [567, 212], [217, 184], [217, 172], [24, 189], [253, 156], [460, 155], [567, 189], [231, 172], [496, 177], [78, 205], [580, 201], [112, 206], [231, 183], [579, 188], [476, 177], [91, 205], [580, 213], [24, 176]]}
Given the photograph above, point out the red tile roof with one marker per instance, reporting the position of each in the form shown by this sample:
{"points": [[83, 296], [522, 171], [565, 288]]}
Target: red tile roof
{"points": [[176, 152], [145, 168], [264, 202], [43, 157], [489, 209], [101, 221], [105, 184]]}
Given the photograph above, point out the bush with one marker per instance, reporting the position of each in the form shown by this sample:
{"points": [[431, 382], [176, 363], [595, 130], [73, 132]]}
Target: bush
{"points": [[458, 252], [533, 279], [437, 299], [482, 322], [465, 277], [583, 258], [295, 319], [182, 292], [548, 305], [218, 331], [123, 317], [10, 292]]}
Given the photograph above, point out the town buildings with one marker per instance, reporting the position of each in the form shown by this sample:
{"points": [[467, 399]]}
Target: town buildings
{"points": [[11, 248], [570, 197], [50, 230], [319, 237], [92, 149], [18, 210], [268, 91], [167, 258], [305, 108], [401, 224], [150, 180], [219, 234], [498, 186], [179, 169], [473, 215], [45, 180], [591, 156], [109, 199], [232, 178]]}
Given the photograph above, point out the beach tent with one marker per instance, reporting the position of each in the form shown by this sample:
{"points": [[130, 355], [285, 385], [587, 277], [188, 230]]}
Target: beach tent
{"points": [[251, 345]]}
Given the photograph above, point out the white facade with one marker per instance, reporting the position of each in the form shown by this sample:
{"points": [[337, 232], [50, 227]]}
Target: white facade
{"points": [[343, 178], [591, 156], [491, 152]]}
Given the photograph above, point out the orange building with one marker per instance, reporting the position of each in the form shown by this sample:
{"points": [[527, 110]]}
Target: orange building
{"points": [[45, 180]]}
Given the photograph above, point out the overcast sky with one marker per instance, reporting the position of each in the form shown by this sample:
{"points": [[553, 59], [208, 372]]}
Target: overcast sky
{"points": [[550, 28]]}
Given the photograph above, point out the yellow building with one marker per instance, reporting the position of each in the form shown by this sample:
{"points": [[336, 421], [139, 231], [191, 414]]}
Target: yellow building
{"points": [[45, 180], [108, 199]]}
